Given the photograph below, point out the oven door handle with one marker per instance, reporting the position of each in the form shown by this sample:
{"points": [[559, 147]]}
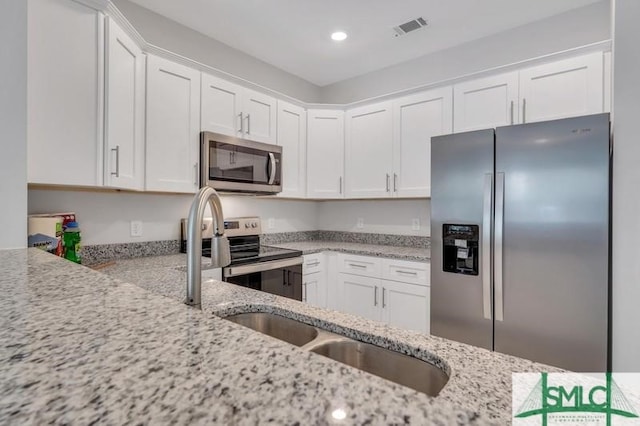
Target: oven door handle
{"points": [[234, 271]]}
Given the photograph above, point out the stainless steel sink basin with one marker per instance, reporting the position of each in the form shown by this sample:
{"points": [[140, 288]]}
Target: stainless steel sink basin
{"points": [[396, 367], [282, 328]]}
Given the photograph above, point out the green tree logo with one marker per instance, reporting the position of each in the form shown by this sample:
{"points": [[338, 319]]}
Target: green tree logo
{"points": [[544, 400]]}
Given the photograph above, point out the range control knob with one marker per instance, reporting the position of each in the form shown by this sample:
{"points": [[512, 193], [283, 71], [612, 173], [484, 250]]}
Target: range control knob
{"points": [[254, 225], [246, 225]]}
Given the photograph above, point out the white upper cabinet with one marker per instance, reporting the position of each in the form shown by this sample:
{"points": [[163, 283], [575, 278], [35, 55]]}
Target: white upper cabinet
{"points": [[325, 154], [486, 102], [292, 137], [417, 118], [221, 106], [368, 151], [560, 89], [65, 93], [173, 126], [233, 110], [124, 110]]}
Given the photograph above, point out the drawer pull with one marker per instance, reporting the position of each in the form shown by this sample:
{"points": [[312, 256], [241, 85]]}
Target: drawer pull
{"points": [[355, 265], [407, 272], [316, 263]]}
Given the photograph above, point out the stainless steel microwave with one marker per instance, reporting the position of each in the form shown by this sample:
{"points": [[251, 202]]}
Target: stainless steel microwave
{"points": [[232, 164]]}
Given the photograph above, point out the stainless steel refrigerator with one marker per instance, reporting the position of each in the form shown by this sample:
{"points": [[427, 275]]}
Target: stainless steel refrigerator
{"points": [[520, 240]]}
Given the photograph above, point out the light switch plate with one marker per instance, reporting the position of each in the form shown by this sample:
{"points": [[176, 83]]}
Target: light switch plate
{"points": [[415, 224], [360, 222], [271, 223]]}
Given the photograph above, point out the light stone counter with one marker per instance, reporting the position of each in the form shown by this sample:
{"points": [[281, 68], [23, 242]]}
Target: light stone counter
{"points": [[393, 252], [79, 347]]}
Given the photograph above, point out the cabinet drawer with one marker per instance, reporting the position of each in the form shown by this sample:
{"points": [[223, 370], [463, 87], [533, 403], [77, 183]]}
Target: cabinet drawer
{"points": [[359, 265], [313, 263], [406, 271]]}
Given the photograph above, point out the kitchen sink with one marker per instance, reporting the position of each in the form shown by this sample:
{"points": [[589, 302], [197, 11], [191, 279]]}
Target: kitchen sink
{"points": [[394, 366], [291, 331]]}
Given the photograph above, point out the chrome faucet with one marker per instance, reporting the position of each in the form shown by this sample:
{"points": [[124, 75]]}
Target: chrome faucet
{"points": [[220, 255]]}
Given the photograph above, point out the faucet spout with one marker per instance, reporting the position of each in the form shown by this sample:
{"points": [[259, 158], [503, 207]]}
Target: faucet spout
{"points": [[220, 255]]}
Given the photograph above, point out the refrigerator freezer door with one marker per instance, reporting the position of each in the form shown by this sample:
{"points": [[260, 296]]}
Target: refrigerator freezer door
{"points": [[461, 176], [555, 251]]}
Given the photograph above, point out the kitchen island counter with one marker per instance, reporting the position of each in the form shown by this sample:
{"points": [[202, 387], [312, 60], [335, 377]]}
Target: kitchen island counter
{"points": [[80, 346]]}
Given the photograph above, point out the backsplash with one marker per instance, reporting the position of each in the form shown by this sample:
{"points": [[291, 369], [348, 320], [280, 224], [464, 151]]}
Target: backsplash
{"points": [[99, 253], [348, 237]]}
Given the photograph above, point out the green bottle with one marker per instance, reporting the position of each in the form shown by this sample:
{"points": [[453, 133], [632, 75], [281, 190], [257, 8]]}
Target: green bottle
{"points": [[71, 241]]}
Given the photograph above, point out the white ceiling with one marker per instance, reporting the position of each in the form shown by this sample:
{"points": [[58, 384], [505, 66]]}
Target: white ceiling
{"points": [[294, 35]]}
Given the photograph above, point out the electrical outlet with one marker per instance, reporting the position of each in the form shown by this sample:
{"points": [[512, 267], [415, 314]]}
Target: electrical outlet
{"points": [[360, 223], [415, 224], [136, 228], [271, 223]]}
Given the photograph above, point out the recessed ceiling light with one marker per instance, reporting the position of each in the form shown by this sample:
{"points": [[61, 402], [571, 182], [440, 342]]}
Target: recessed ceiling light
{"points": [[339, 36]]}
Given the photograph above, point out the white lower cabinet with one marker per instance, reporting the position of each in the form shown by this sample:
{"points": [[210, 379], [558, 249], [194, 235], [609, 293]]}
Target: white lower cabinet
{"points": [[371, 294], [360, 296], [314, 281], [406, 305]]}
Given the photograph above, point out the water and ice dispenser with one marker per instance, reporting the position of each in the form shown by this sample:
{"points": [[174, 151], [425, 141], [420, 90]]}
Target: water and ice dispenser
{"points": [[460, 248]]}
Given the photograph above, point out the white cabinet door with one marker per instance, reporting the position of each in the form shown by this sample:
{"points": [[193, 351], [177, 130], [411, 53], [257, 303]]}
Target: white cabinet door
{"points": [[360, 296], [221, 106], [260, 116], [325, 153], [124, 110], [368, 151], [486, 102], [406, 305], [292, 137], [314, 289], [65, 104], [173, 126], [417, 118], [560, 89]]}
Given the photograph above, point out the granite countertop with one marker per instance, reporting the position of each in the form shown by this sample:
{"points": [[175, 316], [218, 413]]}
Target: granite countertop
{"points": [[393, 252], [81, 346]]}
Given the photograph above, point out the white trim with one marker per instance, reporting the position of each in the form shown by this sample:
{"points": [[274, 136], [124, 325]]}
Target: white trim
{"points": [[100, 5], [126, 26]]}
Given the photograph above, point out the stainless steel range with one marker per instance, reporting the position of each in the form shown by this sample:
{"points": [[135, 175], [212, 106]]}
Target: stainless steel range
{"points": [[270, 269]]}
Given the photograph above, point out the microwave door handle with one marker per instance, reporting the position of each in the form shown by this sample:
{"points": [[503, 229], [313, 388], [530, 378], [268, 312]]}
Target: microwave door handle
{"points": [[272, 169]]}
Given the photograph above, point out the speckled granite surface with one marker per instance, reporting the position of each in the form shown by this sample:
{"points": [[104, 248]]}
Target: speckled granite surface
{"points": [[348, 237], [392, 252], [105, 252], [480, 380], [80, 347]]}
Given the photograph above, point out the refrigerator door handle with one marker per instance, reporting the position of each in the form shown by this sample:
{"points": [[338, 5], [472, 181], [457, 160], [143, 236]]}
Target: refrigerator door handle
{"points": [[498, 248], [486, 245]]}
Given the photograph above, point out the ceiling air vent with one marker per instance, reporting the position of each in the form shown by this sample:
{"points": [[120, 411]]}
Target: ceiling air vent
{"points": [[407, 27]]}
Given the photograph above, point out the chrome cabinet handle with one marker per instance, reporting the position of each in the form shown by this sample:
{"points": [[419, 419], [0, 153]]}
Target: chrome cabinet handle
{"points": [[195, 173], [355, 265], [248, 124], [241, 123], [512, 112], [340, 185], [395, 182], [304, 292], [486, 245], [384, 292], [407, 272], [313, 264], [498, 247], [117, 151], [524, 110], [387, 182], [375, 296], [272, 161]]}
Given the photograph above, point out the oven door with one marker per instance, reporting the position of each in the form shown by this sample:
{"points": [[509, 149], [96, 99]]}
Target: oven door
{"points": [[279, 277], [233, 164]]}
